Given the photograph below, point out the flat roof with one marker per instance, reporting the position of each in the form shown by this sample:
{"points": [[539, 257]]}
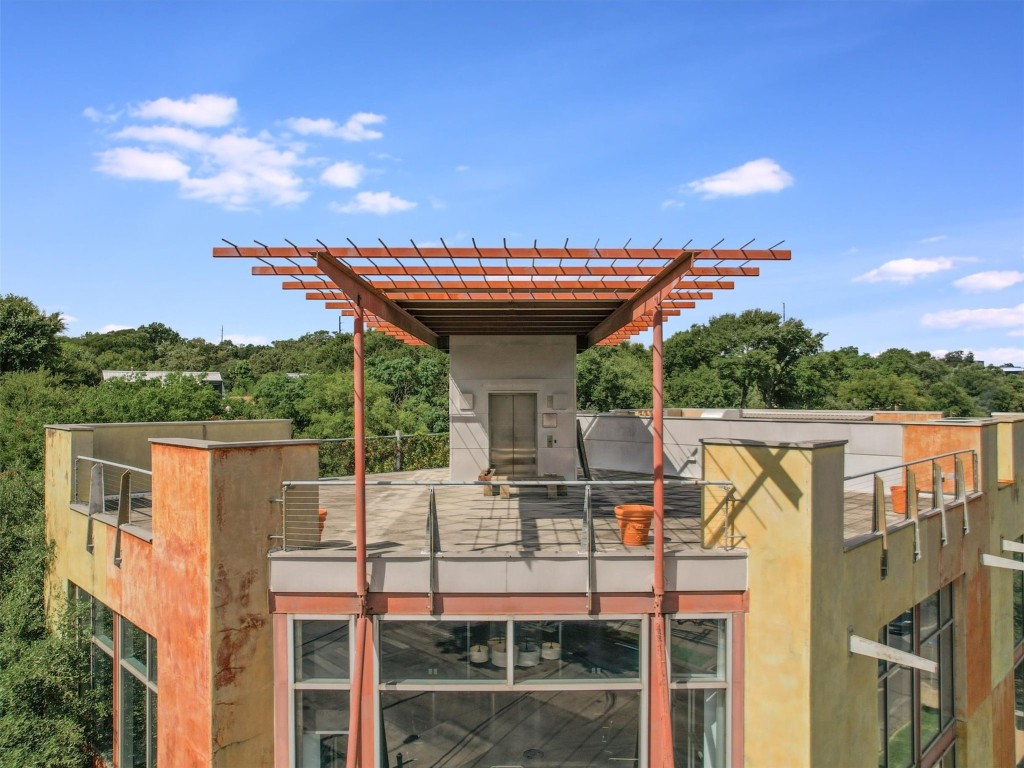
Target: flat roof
{"points": [[425, 295]]}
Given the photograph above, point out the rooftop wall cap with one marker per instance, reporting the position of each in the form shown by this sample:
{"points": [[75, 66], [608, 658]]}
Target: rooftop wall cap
{"points": [[192, 442], [141, 424], [804, 444]]}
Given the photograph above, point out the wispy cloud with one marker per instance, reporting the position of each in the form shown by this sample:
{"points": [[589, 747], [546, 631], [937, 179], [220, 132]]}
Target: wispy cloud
{"points": [[461, 168], [976, 319], [997, 280], [380, 203], [905, 270], [111, 327], [91, 113], [344, 174], [134, 163], [763, 175], [933, 239], [672, 204], [202, 110], [354, 129], [231, 168]]}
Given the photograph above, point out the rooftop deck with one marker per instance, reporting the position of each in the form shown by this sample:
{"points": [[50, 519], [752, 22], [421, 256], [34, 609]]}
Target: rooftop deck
{"points": [[470, 521]]}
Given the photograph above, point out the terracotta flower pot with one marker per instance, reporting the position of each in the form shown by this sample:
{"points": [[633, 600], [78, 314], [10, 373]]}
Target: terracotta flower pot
{"points": [[634, 523], [321, 518]]}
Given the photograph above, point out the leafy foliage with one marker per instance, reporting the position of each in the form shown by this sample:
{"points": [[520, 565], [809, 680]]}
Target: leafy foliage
{"points": [[28, 337]]}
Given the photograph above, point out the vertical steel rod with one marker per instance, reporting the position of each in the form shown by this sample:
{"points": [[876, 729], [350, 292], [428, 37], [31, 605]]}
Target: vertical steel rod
{"points": [[661, 720], [356, 700], [359, 410]]}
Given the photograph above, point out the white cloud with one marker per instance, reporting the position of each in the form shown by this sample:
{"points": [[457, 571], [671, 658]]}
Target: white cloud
{"points": [[237, 170], [68, 319], [934, 239], [202, 110], [672, 204], [231, 168], [380, 203], [438, 204], [461, 168], [134, 163], [113, 327], [166, 134], [989, 281], [1004, 317], [343, 174], [354, 129], [905, 270], [763, 175], [91, 113]]}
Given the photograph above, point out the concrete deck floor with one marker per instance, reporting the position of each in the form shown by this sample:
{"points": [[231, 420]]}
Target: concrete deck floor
{"points": [[469, 521]]}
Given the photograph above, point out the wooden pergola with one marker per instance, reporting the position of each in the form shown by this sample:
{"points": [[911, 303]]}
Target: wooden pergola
{"points": [[423, 295]]}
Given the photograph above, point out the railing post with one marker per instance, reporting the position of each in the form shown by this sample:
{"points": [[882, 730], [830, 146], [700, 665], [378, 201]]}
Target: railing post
{"points": [[433, 543], [398, 450], [124, 500], [880, 524], [913, 513], [587, 544], [939, 500], [95, 501], [961, 488]]}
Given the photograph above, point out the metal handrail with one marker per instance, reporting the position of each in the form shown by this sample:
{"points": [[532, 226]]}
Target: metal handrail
{"points": [[972, 451], [513, 483], [115, 464]]}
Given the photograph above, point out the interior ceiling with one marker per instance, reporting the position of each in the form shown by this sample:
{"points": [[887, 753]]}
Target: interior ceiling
{"points": [[423, 295]]}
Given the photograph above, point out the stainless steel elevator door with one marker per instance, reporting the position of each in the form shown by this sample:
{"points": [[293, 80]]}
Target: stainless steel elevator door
{"points": [[512, 429]]}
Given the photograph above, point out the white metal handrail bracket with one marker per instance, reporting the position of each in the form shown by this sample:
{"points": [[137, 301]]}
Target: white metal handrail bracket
{"points": [[1001, 562], [864, 647]]}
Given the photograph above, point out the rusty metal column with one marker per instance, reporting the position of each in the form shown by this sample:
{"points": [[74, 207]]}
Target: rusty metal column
{"points": [[661, 714], [362, 629]]}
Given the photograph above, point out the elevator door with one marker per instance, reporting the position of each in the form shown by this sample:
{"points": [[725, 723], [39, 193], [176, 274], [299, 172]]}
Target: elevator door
{"points": [[513, 434]]}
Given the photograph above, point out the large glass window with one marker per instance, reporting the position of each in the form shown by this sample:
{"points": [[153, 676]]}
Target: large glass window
{"points": [[915, 707], [1018, 710], [100, 621], [321, 678], [563, 692], [698, 653], [138, 697]]}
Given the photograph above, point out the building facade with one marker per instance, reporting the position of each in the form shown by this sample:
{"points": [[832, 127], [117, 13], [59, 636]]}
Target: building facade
{"points": [[520, 631]]}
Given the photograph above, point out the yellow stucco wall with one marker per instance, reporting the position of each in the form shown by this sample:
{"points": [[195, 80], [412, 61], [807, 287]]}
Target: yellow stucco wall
{"points": [[807, 701]]}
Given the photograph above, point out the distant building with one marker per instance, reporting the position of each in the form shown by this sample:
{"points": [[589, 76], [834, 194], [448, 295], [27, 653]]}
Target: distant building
{"points": [[214, 379]]}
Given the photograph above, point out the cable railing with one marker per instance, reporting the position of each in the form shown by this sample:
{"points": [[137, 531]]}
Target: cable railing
{"points": [[547, 513], [105, 485], [385, 453], [877, 501]]}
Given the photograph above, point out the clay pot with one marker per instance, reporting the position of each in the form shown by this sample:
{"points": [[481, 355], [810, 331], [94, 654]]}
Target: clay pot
{"points": [[634, 523], [321, 518]]}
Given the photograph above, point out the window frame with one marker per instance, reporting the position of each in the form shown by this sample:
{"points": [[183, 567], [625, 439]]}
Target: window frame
{"points": [[149, 682], [510, 686], [725, 683], [295, 686], [945, 738]]}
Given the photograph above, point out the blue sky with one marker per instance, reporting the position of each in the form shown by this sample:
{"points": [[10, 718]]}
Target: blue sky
{"points": [[884, 142]]}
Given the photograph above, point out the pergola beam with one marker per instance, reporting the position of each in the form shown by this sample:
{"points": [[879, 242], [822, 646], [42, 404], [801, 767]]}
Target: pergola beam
{"points": [[662, 284], [372, 300]]}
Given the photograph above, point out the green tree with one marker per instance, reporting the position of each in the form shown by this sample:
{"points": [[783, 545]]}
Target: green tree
{"points": [[872, 389], [28, 336], [755, 351], [176, 398], [614, 377]]}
